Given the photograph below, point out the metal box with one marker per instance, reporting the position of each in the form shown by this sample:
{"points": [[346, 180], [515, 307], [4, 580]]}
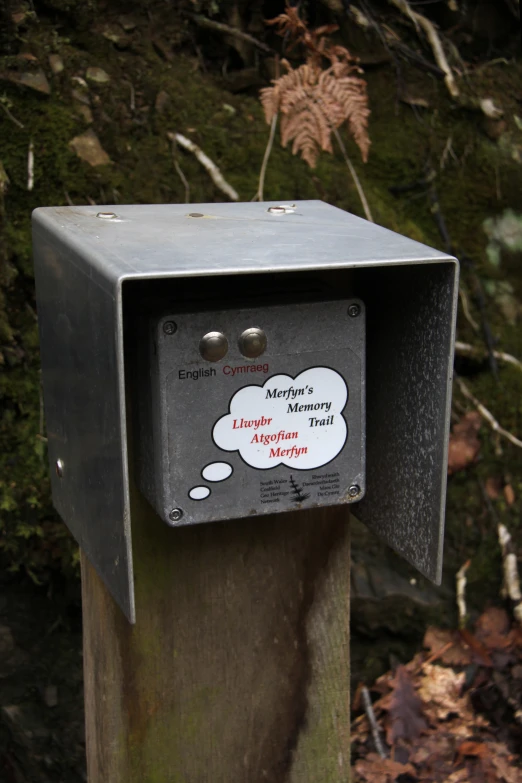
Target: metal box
{"points": [[109, 283]]}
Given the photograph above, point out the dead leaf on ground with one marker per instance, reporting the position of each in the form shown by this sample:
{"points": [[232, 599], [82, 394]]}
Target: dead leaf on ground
{"points": [[459, 776], [493, 487], [405, 711], [373, 769], [88, 148], [464, 444], [506, 764], [509, 494], [477, 749], [478, 650], [440, 690], [437, 639], [492, 629], [35, 80]]}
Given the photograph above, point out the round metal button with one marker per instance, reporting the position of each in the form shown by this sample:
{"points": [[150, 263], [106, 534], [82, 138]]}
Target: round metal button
{"points": [[213, 346], [252, 343]]}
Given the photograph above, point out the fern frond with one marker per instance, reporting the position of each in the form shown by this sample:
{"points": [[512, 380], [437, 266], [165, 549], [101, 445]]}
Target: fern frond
{"points": [[289, 23], [313, 102]]}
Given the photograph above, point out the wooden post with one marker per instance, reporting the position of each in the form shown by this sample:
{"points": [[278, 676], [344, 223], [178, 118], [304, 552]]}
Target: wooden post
{"points": [[237, 670]]}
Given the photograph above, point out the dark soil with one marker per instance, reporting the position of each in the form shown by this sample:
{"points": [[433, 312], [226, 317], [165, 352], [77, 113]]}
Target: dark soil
{"points": [[41, 683]]}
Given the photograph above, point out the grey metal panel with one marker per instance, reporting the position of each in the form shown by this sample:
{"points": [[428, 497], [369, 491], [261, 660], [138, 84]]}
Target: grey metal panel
{"points": [[79, 346], [82, 263], [190, 395], [163, 240], [410, 337]]}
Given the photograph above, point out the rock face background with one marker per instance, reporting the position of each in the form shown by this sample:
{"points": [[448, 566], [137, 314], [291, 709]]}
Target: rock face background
{"points": [[89, 93]]}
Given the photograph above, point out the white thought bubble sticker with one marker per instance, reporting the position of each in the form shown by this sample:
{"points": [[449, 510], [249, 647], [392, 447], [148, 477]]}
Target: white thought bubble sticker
{"points": [[199, 493], [217, 471], [296, 422]]}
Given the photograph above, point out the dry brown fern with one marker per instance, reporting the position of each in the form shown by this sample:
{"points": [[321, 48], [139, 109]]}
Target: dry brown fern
{"points": [[313, 100]]}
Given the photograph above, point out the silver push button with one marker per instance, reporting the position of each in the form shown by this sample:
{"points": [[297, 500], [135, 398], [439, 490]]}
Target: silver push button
{"points": [[213, 346], [252, 343]]}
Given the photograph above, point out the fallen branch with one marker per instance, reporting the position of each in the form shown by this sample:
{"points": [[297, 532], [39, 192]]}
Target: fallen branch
{"points": [[368, 708], [180, 173], [355, 178], [465, 309], [464, 349], [205, 161], [219, 27], [487, 415], [433, 37], [461, 593], [510, 565], [11, 116], [30, 166]]}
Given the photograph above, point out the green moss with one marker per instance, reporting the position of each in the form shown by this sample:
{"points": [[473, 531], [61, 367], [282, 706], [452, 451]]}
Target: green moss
{"points": [[478, 181]]}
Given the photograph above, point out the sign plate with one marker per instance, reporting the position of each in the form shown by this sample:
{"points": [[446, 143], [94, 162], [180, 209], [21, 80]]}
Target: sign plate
{"points": [[242, 436]]}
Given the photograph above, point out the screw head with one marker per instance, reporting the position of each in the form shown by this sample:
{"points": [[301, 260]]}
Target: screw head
{"points": [[169, 327], [354, 310], [283, 209], [107, 215], [59, 468], [354, 490], [175, 515]]}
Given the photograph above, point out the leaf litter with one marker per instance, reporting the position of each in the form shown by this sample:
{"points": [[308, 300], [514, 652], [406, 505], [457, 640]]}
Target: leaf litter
{"points": [[451, 715]]}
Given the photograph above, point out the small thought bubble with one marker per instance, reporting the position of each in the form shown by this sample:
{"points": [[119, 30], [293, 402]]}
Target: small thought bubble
{"points": [[217, 471], [296, 422], [199, 493]]}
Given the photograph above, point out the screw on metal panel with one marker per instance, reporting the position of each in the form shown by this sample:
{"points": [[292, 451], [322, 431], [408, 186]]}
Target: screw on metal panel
{"points": [[59, 468], [282, 209], [169, 327], [354, 310], [106, 215], [354, 490], [175, 515]]}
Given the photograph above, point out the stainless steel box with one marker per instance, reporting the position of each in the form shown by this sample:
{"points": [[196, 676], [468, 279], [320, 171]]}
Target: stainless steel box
{"points": [[100, 278]]}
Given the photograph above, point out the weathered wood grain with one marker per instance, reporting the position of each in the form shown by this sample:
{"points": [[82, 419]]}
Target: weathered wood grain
{"points": [[237, 670]]}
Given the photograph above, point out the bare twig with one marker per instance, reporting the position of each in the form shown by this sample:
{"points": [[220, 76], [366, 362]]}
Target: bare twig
{"points": [[464, 349], [219, 27], [368, 708], [260, 188], [487, 415], [355, 178], [183, 179], [180, 173], [510, 565], [11, 116], [208, 164], [421, 21], [437, 654], [447, 151], [132, 103], [465, 309], [461, 593], [30, 166]]}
